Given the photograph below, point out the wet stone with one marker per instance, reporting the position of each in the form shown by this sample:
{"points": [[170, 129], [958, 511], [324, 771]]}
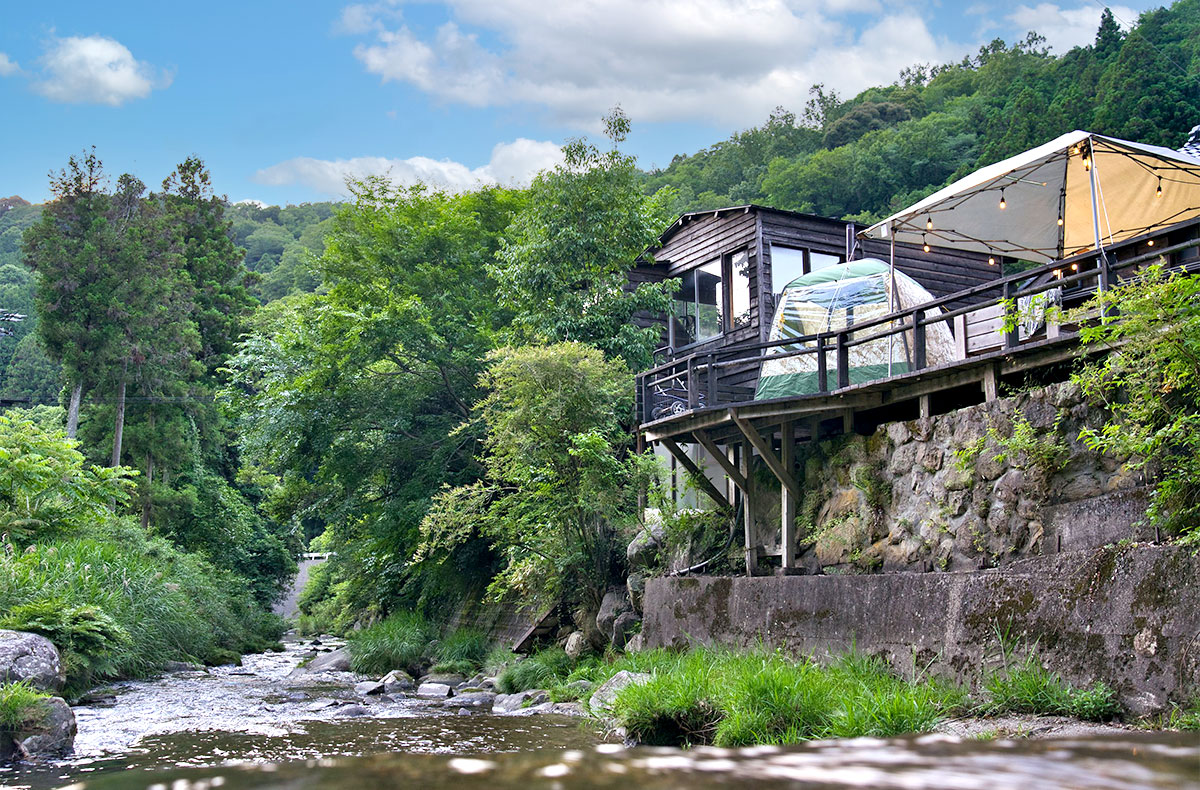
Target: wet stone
{"points": [[434, 691]]}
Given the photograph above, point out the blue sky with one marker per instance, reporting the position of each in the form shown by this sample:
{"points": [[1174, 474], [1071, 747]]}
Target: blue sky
{"points": [[283, 100]]}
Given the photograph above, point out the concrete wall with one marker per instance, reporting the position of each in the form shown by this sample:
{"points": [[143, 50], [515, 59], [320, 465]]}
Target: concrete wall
{"points": [[1129, 616]]}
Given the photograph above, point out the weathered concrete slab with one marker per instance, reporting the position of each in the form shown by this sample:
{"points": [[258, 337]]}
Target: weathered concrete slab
{"points": [[1129, 616]]}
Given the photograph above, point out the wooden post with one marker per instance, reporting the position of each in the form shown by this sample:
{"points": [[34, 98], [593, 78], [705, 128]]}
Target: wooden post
{"points": [[765, 452], [918, 319], [924, 405], [1009, 317], [822, 366], [991, 383], [748, 515], [843, 360], [960, 336], [693, 394], [712, 381], [847, 421], [721, 459], [787, 500]]}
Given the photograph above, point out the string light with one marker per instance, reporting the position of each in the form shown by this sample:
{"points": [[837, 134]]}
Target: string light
{"points": [[1003, 202], [1087, 162], [1150, 242], [1158, 191], [1060, 220], [924, 243], [929, 221], [1074, 267], [991, 261]]}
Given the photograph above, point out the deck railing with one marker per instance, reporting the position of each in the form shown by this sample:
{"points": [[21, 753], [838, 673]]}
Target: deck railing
{"points": [[694, 382]]}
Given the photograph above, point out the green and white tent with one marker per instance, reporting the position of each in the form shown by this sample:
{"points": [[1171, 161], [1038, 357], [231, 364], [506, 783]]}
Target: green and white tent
{"points": [[837, 297]]}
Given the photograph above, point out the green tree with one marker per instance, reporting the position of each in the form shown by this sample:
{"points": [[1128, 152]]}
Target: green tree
{"points": [[559, 477], [563, 266], [47, 488]]}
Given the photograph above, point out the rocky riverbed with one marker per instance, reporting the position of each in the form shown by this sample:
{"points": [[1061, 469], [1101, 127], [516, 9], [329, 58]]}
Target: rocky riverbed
{"points": [[272, 707]]}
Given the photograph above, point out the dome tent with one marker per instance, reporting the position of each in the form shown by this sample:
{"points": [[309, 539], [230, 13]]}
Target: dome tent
{"points": [[837, 297]]}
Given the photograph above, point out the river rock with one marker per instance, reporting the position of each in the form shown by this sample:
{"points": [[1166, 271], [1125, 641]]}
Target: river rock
{"points": [[181, 666], [558, 708], [577, 645], [625, 626], [604, 697], [507, 703], [397, 680], [369, 688], [56, 732], [581, 688], [333, 661], [352, 711], [32, 658], [646, 548], [447, 679], [435, 690], [472, 699], [614, 604]]}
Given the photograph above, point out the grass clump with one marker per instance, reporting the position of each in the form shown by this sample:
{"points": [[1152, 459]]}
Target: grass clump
{"points": [[737, 699], [1028, 687], [402, 641], [20, 707], [541, 670], [457, 667], [464, 645]]}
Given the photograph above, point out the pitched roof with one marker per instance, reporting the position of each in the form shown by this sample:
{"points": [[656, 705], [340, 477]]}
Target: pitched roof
{"points": [[1192, 146]]}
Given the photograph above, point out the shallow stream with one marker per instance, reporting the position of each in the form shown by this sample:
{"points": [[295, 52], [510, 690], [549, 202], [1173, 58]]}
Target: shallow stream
{"points": [[256, 727]]}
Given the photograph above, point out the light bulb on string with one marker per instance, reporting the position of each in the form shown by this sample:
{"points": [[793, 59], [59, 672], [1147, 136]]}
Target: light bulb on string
{"points": [[991, 261], [1150, 242], [928, 223], [1087, 161], [924, 243], [1158, 190], [1003, 202], [1060, 220]]}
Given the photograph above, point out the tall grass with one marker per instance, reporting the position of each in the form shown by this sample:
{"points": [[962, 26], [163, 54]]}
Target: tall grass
{"points": [[1027, 687], [464, 645], [761, 697], [123, 607], [402, 641], [541, 670]]}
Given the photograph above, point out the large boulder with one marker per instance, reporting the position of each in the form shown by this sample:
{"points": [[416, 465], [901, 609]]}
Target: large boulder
{"points": [[577, 645], [334, 661], [626, 625], [604, 697], [507, 703], [614, 604], [53, 736], [397, 680], [435, 691], [646, 549], [31, 658]]}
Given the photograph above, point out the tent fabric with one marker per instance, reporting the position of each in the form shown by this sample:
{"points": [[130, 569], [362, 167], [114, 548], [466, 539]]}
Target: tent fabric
{"points": [[1048, 182], [835, 298]]}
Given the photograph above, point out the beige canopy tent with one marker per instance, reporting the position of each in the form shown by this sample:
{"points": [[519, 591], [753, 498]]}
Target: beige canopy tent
{"points": [[1078, 192]]}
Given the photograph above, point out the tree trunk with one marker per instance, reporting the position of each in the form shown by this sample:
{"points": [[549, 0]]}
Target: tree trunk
{"points": [[149, 477], [73, 409], [119, 425]]}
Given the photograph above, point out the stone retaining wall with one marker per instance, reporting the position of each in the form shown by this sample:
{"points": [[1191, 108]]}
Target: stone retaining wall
{"points": [[956, 492], [1126, 615]]}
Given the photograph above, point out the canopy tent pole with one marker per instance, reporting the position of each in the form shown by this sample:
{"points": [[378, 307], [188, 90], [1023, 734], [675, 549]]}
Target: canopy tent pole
{"points": [[1104, 283]]}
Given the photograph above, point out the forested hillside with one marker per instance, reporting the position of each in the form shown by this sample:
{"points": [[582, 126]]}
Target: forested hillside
{"points": [[889, 146]]}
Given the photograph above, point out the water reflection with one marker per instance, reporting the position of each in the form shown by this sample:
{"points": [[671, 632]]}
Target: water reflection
{"points": [[1150, 760]]}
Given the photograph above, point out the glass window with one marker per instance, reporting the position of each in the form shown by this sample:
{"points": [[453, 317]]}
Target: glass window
{"points": [[710, 301], [739, 289], [787, 263], [819, 260]]}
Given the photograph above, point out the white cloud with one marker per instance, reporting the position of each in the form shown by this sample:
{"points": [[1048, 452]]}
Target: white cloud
{"points": [[512, 163], [726, 61], [7, 66], [1065, 28], [95, 70]]}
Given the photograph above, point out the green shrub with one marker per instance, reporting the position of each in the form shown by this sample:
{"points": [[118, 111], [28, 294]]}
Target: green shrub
{"points": [[677, 708], [402, 641], [497, 659], [541, 670], [20, 706], [465, 644], [85, 635]]}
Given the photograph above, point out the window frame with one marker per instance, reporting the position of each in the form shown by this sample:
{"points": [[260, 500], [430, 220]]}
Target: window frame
{"points": [[727, 318]]}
